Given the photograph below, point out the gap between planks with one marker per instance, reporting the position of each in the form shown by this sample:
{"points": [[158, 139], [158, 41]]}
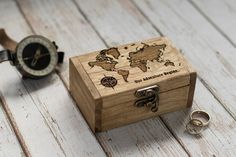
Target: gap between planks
{"points": [[161, 33], [221, 105], [217, 28], [198, 76], [211, 22], [16, 130], [9, 144], [57, 73], [14, 127], [107, 45]]}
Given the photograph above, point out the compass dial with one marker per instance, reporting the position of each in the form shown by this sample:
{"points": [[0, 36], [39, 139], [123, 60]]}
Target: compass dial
{"points": [[37, 56], [109, 81]]}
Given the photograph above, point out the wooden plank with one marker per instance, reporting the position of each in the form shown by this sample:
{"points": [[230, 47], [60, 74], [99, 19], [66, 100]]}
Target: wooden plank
{"points": [[71, 37], [123, 147], [216, 140], [47, 119], [211, 54], [131, 20], [221, 15], [115, 21], [142, 139], [9, 145], [68, 28]]}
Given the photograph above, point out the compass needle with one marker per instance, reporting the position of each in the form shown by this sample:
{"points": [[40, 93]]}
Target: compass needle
{"points": [[36, 57], [43, 55], [27, 58]]}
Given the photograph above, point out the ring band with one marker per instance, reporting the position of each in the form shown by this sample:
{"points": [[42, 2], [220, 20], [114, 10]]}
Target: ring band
{"points": [[201, 115], [194, 126]]}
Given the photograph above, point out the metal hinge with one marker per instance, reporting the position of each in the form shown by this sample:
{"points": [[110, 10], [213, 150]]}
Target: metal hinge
{"points": [[149, 97]]}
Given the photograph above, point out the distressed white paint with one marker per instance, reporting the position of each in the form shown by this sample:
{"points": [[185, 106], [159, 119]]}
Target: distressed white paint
{"points": [[47, 119], [171, 149], [222, 14], [9, 145], [61, 21], [217, 139], [213, 140], [210, 53], [119, 22]]}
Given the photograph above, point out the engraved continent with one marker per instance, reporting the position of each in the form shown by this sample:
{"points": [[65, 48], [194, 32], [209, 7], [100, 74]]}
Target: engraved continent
{"points": [[108, 63], [124, 74], [140, 57], [113, 51]]}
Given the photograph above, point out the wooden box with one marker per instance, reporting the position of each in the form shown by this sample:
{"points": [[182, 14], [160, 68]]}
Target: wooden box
{"points": [[132, 82]]}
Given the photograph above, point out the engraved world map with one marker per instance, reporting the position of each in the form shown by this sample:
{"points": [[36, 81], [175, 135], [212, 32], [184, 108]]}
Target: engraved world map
{"points": [[108, 59]]}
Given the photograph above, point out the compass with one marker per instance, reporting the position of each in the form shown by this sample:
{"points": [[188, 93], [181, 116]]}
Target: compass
{"points": [[109, 81], [35, 56]]}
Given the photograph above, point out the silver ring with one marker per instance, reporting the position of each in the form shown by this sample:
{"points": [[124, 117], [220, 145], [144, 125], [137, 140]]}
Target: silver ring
{"points": [[194, 126], [202, 116]]}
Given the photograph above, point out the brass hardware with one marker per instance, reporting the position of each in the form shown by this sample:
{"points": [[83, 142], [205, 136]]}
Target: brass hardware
{"points": [[148, 97]]}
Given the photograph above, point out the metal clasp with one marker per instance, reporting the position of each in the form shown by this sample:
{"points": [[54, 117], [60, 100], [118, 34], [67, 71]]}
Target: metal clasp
{"points": [[148, 97]]}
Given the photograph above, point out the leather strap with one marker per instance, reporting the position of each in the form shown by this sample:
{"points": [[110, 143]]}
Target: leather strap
{"points": [[60, 57], [5, 55], [6, 41]]}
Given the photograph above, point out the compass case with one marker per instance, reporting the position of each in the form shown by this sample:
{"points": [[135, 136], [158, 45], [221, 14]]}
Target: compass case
{"points": [[132, 82]]}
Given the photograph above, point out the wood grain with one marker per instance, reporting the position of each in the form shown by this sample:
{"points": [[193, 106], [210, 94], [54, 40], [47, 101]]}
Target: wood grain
{"points": [[85, 94], [216, 140], [9, 145], [62, 22], [132, 17], [70, 42], [176, 79], [122, 22], [221, 15], [170, 101], [174, 93], [209, 52], [46, 116]]}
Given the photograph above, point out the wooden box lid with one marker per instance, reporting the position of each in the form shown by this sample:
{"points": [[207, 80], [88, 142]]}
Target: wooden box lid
{"points": [[118, 71]]}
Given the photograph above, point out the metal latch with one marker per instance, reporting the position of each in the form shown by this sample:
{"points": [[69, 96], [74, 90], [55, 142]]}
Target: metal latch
{"points": [[148, 97]]}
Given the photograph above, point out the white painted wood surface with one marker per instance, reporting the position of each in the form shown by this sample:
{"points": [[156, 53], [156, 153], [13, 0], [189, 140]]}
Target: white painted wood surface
{"points": [[49, 123], [221, 14], [172, 148], [133, 18], [47, 119], [9, 145], [61, 21], [206, 48], [217, 139]]}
